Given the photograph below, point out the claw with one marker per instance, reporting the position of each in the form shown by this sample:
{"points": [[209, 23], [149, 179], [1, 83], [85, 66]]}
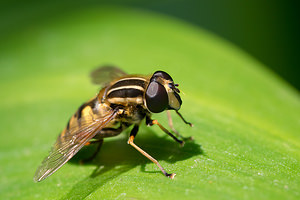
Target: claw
{"points": [[182, 143], [171, 176]]}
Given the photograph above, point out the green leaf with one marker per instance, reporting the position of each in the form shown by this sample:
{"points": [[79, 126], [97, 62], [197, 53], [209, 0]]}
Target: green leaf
{"points": [[246, 119]]}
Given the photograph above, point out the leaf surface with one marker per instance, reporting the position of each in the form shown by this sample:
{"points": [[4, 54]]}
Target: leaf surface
{"points": [[246, 119]]}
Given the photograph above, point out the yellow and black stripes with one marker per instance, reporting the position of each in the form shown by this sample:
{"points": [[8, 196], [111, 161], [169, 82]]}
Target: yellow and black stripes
{"points": [[83, 107], [128, 90], [125, 91], [137, 81], [84, 114]]}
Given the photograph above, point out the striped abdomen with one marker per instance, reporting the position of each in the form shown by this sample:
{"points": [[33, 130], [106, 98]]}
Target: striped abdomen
{"points": [[85, 115], [126, 91]]}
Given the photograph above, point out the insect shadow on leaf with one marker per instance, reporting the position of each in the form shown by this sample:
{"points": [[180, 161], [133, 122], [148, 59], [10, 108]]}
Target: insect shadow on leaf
{"points": [[117, 157]]}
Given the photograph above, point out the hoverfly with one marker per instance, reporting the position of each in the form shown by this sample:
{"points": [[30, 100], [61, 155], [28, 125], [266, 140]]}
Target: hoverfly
{"points": [[124, 101]]}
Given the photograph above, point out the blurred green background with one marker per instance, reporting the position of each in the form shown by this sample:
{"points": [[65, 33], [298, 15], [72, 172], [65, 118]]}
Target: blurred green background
{"points": [[268, 29], [246, 117]]}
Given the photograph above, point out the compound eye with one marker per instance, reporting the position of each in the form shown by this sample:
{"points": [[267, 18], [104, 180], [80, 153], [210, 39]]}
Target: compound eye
{"points": [[156, 97], [162, 74]]}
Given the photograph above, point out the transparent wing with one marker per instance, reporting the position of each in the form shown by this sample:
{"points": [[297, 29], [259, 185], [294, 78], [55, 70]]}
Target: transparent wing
{"points": [[69, 143], [103, 75]]}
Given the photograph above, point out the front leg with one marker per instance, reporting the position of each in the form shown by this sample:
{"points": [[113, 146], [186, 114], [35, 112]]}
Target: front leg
{"points": [[186, 122], [151, 122]]}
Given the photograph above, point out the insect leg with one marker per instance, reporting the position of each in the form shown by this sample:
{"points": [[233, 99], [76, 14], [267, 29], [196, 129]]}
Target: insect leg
{"points": [[130, 141], [100, 142], [170, 121], [151, 122], [191, 125]]}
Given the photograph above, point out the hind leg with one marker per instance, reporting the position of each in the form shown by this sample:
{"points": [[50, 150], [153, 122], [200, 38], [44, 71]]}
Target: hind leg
{"points": [[99, 143]]}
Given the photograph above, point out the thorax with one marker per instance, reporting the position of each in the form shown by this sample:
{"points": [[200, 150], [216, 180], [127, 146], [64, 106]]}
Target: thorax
{"points": [[126, 91]]}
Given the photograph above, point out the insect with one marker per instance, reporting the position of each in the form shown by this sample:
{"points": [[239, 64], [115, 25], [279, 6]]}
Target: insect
{"points": [[124, 101]]}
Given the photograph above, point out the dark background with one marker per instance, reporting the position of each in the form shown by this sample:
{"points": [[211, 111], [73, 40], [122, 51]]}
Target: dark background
{"points": [[267, 30]]}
